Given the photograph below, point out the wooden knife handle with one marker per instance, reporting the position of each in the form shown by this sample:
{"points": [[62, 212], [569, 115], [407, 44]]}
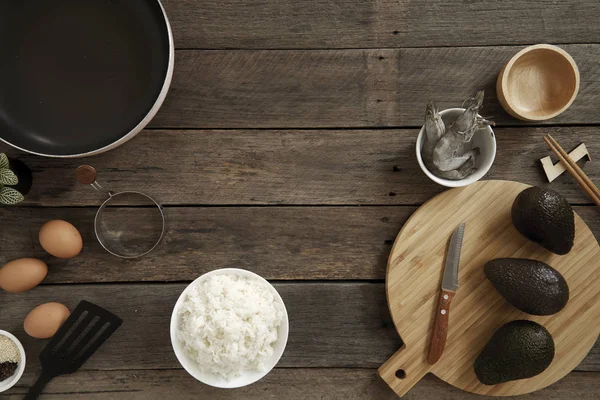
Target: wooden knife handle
{"points": [[440, 326]]}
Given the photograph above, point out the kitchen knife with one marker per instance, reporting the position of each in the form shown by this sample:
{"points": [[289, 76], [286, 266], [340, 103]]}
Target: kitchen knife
{"points": [[449, 286]]}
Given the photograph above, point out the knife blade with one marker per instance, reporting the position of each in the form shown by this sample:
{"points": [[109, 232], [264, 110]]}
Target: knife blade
{"points": [[448, 290], [450, 279]]}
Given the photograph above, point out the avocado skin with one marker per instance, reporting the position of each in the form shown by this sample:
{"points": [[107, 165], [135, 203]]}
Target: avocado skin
{"points": [[544, 216], [517, 350], [531, 286]]}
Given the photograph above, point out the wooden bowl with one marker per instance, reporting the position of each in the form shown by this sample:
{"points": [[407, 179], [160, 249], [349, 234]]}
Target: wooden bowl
{"points": [[538, 83]]}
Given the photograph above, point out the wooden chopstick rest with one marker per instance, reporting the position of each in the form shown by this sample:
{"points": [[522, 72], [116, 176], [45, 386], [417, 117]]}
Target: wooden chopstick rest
{"points": [[553, 171], [582, 179]]}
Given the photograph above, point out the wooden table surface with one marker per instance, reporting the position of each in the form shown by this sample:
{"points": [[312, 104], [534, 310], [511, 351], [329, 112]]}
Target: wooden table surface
{"points": [[286, 147]]}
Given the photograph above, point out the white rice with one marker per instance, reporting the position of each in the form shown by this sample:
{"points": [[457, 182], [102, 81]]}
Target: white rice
{"points": [[229, 324]]}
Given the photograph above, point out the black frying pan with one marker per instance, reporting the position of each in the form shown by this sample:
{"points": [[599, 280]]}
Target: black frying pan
{"points": [[79, 77]]}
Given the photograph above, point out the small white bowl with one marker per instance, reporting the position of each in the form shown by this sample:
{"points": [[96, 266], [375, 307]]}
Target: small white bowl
{"points": [[484, 139], [12, 381], [247, 377]]}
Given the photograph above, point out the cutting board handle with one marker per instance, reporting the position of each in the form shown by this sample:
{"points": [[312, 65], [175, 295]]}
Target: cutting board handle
{"points": [[403, 370]]}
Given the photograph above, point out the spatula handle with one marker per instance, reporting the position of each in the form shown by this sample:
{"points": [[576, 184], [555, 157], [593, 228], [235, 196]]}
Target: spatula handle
{"points": [[440, 327], [38, 387]]}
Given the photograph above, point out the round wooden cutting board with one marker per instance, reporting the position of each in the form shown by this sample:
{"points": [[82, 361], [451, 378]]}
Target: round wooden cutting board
{"points": [[414, 277]]}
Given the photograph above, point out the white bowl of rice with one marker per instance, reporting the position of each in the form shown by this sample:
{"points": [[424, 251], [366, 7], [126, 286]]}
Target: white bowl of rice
{"points": [[229, 328]]}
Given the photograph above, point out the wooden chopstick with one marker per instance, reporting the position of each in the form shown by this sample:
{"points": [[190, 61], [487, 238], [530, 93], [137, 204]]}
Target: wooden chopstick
{"points": [[574, 165], [574, 169]]}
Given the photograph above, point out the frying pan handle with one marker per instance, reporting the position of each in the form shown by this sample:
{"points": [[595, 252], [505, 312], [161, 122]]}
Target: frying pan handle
{"points": [[403, 370], [38, 387]]}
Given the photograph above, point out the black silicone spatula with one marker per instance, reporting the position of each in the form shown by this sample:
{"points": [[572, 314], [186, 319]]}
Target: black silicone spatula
{"points": [[77, 339]]}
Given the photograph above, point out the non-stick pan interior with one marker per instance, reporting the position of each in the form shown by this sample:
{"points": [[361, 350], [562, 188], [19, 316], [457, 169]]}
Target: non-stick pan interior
{"points": [[76, 76]]}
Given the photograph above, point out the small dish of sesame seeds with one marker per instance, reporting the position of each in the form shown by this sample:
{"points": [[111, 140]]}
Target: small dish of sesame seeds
{"points": [[12, 360]]}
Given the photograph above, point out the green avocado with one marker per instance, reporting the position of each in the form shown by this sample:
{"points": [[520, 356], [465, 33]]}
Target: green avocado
{"points": [[532, 286], [517, 350], [543, 216]]}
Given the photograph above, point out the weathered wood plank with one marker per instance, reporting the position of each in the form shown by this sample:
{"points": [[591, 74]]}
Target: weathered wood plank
{"points": [[331, 324], [349, 88], [291, 384], [291, 167], [252, 24], [289, 243], [275, 242]]}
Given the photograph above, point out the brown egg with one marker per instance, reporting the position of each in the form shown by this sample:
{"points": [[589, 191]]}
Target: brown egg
{"points": [[61, 239], [44, 320], [23, 274]]}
